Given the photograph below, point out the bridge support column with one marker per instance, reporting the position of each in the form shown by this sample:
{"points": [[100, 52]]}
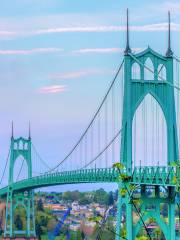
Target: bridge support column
{"points": [[171, 214], [14, 200], [151, 209], [24, 198], [129, 222], [124, 227], [9, 215], [172, 233]]}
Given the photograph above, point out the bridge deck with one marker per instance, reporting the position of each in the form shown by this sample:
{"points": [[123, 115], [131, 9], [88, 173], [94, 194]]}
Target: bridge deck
{"points": [[141, 175]]}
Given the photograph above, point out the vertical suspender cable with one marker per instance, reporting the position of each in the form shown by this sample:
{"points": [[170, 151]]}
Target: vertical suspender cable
{"points": [[106, 135], [92, 141], [153, 130], [113, 124], [146, 131], [143, 133], [85, 146], [158, 146]]}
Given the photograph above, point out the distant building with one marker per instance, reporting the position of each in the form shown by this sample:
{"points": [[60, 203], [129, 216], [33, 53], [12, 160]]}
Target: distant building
{"points": [[75, 206]]}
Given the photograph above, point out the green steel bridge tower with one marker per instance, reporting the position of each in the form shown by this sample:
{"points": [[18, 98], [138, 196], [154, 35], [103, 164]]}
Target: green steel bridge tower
{"points": [[133, 181], [19, 147], [135, 91]]}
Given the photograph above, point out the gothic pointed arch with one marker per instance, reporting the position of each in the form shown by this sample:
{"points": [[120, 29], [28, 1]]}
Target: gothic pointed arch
{"points": [[136, 71], [149, 134], [148, 69]]}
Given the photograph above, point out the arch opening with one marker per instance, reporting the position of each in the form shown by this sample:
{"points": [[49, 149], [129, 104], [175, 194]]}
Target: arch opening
{"points": [[164, 212], [135, 71], [20, 218], [20, 145], [153, 229], [148, 75], [20, 170], [161, 72], [149, 134]]}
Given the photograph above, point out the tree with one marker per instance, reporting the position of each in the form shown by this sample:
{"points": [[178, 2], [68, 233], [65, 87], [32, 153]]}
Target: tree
{"points": [[18, 222], [110, 199], [101, 196], [71, 196], [51, 224], [142, 238], [116, 195], [157, 232], [43, 221], [40, 206], [38, 231], [82, 235]]}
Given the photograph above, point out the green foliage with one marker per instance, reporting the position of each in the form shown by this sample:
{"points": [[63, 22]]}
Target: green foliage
{"points": [[101, 196], [152, 220], [40, 206], [51, 224], [73, 196], [110, 199], [124, 177], [42, 220], [132, 187], [123, 233], [118, 166], [123, 192], [18, 222], [137, 201], [175, 164], [95, 219], [21, 220], [157, 232], [107, 233], [39, 231], [142, 238]]}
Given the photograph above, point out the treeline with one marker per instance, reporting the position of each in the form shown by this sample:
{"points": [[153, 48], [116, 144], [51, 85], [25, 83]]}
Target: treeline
{"points": [[99, 196]]}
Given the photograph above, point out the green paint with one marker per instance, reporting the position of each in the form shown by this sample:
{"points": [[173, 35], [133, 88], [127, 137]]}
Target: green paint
{"points": [[135, 91], [25, 197]]}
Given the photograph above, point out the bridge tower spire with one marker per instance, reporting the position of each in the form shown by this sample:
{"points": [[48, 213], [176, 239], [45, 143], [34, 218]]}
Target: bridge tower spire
{"points": [[127, 49], [20, 147], [169, 52], [29, 131], [135, 90], [12, 130]]}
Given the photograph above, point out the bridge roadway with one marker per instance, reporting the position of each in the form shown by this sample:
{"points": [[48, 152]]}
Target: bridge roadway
{"points": [[164, 176]]}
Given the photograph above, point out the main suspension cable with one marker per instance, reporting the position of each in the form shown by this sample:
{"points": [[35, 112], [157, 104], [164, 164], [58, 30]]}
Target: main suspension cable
{"points": [[7, 159], [91, 122], [39, 156], [106, 147]]}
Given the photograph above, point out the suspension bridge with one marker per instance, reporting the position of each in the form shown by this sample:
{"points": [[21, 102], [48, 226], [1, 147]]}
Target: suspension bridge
{"points": [[133, 140]]}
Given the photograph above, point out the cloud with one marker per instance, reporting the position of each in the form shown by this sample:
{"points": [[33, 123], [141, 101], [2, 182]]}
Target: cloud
{"points": [[59, 50], [53, 89], [99, 29], [101, 50], [30, 51], [97, 50], [89, 29], [78, 74], [158, 27], [140, 28]]}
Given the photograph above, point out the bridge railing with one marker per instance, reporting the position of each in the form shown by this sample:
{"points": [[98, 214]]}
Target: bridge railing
{"points": [[148, 175], [156, 174]]}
